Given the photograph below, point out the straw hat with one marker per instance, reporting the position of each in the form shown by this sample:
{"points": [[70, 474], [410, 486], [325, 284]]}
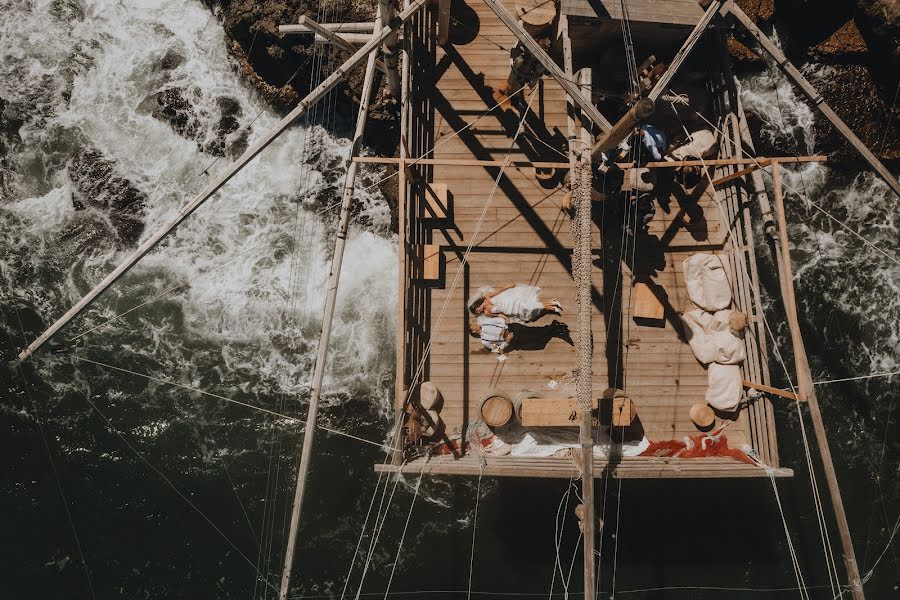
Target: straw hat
{"points": [[702, 415]]}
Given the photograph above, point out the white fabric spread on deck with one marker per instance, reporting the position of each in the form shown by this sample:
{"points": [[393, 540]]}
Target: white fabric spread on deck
{"points": [[552, 441], [711, 339], [706, 281]]}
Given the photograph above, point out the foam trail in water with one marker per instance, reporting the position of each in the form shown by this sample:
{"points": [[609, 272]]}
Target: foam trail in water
{"points": [[91, 81]]}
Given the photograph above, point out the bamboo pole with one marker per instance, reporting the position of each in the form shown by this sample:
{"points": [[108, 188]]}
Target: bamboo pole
{"points": [[695, 36], [214, 186], [814, 97], [808, 392], [552, 68], [584, 382], [402, 210], [334, 278]]}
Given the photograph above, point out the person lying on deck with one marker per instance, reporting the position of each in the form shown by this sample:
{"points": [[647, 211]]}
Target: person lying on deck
{"points": [[700, 145], [493, 331], [515, 301]]}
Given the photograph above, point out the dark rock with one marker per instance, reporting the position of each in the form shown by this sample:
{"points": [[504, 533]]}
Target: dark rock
{"points": [[858, 42], [879, 24], [97, 184]]}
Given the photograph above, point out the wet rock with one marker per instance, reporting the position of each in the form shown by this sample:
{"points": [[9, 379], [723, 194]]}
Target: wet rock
{"points": [[857, 42], [879, 24], [178, 107], [97, 184], [171, 60]]}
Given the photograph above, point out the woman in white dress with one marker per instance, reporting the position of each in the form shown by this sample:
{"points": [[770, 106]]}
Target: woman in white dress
{"points": [[516, 301]]}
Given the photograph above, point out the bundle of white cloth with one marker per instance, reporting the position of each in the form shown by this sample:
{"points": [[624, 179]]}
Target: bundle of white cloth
{"points": [[709, 332]]}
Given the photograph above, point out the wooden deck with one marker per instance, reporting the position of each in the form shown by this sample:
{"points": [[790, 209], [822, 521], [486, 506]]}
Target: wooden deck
{"points": [[516, 232]]}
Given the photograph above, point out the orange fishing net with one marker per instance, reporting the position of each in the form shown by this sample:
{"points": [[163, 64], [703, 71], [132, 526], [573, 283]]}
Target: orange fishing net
{"points": [[699, 446]]}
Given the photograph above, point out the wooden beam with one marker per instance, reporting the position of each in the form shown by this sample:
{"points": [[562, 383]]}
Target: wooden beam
{"points": [[390, 53], [443, 35], [552, 68], [814, 97], [771, 390], [639, 467], [365, 27], [741, 173], [187, 210], [334, 279], [695, 36], [807, 390], [353, 38], [664, 164], [334, 37]]}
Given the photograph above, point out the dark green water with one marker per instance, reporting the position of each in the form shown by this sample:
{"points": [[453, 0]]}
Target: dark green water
{"points": [[116, 486]]}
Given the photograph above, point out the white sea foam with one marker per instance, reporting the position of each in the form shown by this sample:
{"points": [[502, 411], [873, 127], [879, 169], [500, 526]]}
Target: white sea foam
{"points": [[253, 260]]}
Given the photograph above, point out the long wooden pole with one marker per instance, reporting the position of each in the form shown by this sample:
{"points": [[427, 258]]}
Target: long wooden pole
{"points": [[641, 111], [552, 68], [333, 36], [695, 36], [814, 97], [808, 392], [584, 382], [223, 178], [334, 278]]}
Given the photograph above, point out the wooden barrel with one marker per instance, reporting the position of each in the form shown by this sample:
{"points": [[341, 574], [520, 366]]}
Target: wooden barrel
{"points": [[496, 408], [536, 15], [523, 395]]}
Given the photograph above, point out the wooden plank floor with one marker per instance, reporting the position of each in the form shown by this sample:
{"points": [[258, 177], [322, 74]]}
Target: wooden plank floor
{"points": [[524, 237]]}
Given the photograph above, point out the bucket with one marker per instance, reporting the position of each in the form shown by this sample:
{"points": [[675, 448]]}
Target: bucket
{"points": [[496, 408]]}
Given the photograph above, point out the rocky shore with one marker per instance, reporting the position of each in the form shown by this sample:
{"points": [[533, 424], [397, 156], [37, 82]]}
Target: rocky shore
{"points": [[858, 41]]}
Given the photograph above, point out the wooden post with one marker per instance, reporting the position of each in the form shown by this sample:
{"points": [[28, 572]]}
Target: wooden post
{"points": [[400, 383], [584, 382], [570, 104], [808, 392], [817, 101], [331, 35], [641, 111], [334, 278], [444, 21], [695, 36], [314, 96], [552, 68], [389, 50]]}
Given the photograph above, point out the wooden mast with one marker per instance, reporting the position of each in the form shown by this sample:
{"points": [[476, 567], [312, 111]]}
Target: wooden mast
{"points": [[223, 178], [581, 195], [814, 97], [807, 389], [334, 280]]}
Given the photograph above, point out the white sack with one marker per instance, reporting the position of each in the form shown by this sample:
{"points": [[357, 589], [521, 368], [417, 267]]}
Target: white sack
{"points": [[700, 144], [724, 389], [710, 337], [707, 282]]}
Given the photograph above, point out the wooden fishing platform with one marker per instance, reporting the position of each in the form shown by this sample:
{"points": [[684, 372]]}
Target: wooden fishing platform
{"points": [[508, 217]]}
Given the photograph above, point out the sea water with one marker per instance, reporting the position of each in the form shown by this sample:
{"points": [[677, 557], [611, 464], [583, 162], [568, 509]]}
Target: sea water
{"points": [[137, 479]]}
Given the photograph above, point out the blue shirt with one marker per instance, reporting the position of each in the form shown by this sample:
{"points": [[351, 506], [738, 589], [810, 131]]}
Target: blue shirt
{"points": [[654, 141]]}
